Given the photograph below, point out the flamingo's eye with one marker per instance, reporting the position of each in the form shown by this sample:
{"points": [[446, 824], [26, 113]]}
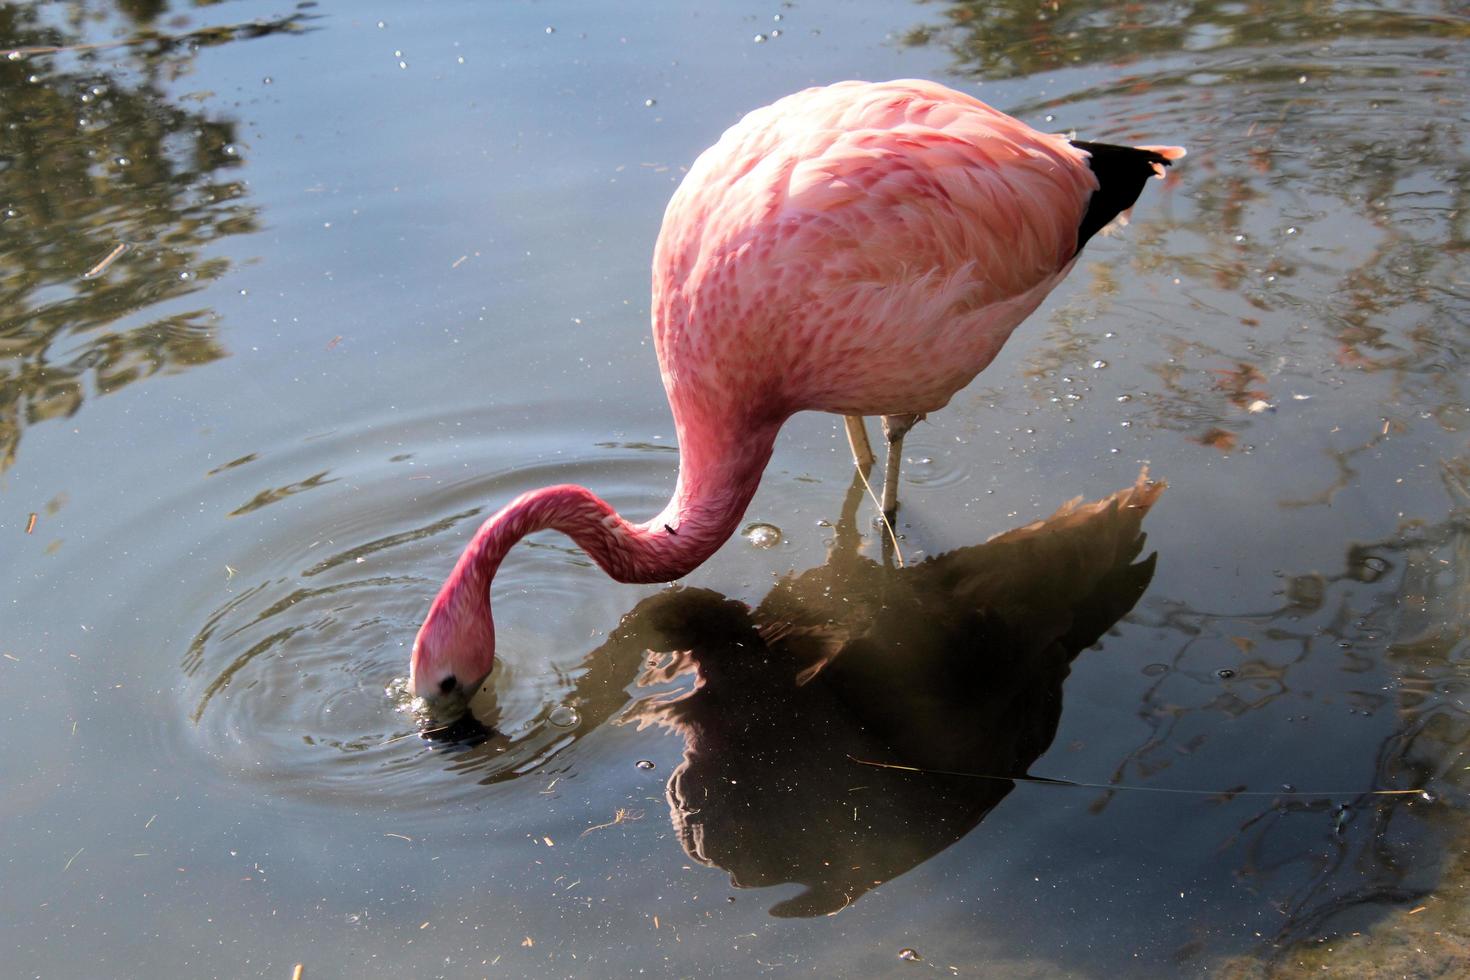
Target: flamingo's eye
{"points": [[447, 684]]}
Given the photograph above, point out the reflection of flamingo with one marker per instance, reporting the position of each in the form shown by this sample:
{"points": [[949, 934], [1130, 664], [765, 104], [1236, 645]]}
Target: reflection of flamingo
{"points": [[863, 249], [954, 665]]}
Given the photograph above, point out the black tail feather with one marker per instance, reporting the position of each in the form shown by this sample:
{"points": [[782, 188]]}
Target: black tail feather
{"points": [[1121, 172]]}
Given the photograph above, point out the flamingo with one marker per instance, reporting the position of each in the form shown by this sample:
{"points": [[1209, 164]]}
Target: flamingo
{"points": [[860, 248]]}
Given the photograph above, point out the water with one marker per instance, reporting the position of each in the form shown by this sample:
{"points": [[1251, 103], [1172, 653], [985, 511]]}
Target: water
{"points": [[382, 273]]}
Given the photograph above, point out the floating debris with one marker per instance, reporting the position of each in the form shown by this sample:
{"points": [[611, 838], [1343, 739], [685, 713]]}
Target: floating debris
{"points": [[622, 816], [107, 260]]}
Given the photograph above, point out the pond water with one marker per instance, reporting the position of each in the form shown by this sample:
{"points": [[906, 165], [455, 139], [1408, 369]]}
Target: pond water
{"points": [[294, 296]]}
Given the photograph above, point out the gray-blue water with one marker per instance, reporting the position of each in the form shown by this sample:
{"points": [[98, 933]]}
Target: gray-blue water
{"points": [[386, 266]]}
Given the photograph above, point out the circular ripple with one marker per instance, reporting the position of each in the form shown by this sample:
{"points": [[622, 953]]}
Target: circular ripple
{"points": [[929, 462], [291, 680]]}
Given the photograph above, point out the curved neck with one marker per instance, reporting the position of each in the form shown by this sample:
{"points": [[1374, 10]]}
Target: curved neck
{"points": [[719, 471]]}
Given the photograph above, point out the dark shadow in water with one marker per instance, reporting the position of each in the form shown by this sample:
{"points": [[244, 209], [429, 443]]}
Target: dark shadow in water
{"points": [[955, 663], [99, 163]]}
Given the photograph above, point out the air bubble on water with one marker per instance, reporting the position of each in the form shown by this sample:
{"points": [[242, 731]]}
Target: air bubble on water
{"points": [[1428, 796], [777, 18], [1291, 230], [763, 535], [1126, 423], [186, 275], [550, 29], [910, 954], [1225, 673], [122, 161], [1125, 397], [650, 103], [1240, 238], [644, 763], [230, 150], [1110, 334], [564, 716], [759, 39], [1049, 117], [382, 24], [1099, 364], [267, 80]]}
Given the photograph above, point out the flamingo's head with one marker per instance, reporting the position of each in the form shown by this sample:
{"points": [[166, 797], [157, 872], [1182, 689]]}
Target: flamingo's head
{"points": [[452, 655]]}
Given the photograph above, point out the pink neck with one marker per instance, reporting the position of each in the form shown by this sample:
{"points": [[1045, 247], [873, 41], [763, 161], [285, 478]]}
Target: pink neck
{"points": [[718, 474]]}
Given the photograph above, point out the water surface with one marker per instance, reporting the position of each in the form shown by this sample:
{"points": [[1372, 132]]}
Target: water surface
{"points": [[386, 267]]}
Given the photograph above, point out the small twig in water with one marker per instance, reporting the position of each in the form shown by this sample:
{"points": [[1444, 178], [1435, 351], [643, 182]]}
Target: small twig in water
{"points": [[622, 816], [1048, 781], [846, 901], [426, 732], [110, 258], [886, 525]]}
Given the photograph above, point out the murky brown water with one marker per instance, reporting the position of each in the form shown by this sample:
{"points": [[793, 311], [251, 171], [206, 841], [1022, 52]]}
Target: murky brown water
{"points": [[387, 266]]}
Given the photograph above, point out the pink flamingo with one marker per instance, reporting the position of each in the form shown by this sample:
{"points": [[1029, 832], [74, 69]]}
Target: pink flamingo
{"points": [[863, 249]]}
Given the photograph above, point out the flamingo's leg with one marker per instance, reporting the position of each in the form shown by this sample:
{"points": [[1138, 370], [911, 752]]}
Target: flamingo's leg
{"points": [[857, 438], [895, 427]]}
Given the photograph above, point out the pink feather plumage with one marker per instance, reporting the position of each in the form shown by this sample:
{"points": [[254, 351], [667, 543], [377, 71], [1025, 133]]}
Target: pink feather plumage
{"points": [[863, 249]]}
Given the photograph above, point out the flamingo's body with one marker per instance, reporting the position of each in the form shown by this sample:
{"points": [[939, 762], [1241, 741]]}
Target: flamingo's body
{"points": [[863, 249]]}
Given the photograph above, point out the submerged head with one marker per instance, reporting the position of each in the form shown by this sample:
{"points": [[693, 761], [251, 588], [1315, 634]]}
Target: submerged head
{"points": [[452, 656]]}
